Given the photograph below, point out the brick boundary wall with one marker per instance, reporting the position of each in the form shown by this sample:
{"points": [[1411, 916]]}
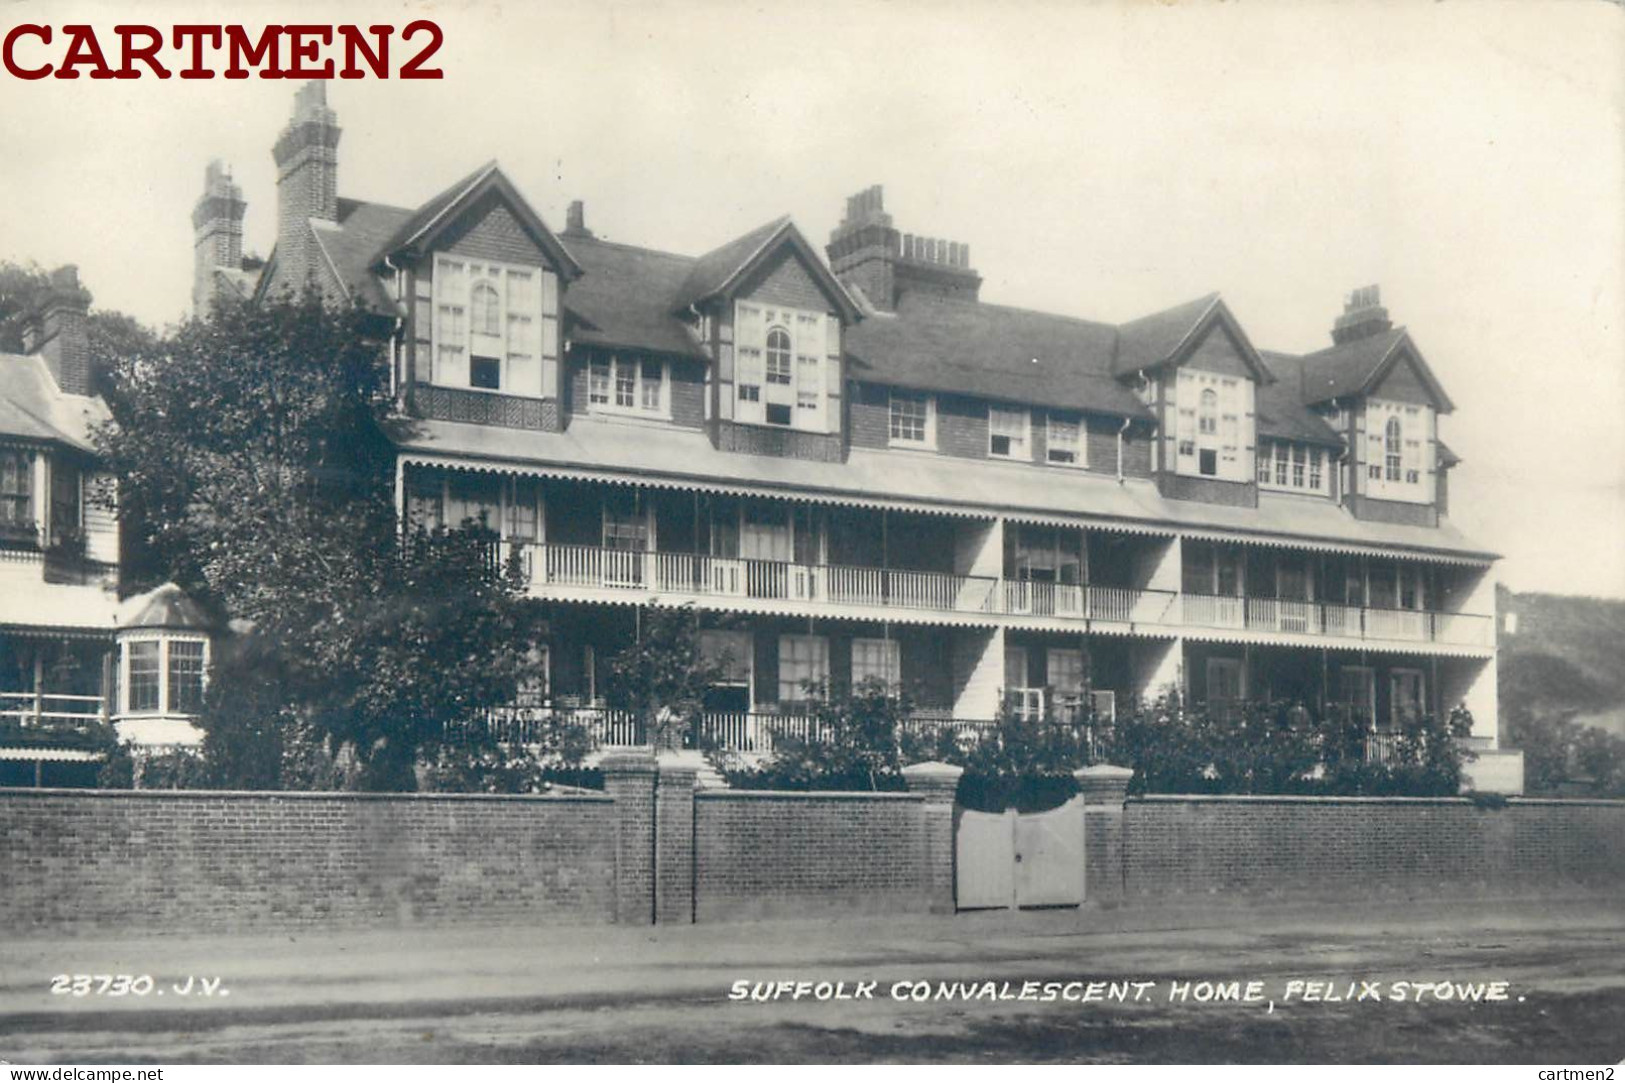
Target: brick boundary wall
{"points": [[1370, 846], [178, 861], [765, 854]]}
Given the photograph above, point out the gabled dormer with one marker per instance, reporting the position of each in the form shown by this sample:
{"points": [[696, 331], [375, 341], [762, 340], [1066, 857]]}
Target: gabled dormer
{"points": [[1195, 368], [1376, 389], [772, 316], [479, 282]]}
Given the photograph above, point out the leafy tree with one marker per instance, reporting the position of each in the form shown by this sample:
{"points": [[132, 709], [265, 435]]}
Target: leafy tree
{"points": [[844, 742], [663, 674], [112, 334], [252, 465]]}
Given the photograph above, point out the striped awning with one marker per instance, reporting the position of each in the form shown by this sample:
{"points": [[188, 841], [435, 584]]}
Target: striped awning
{"points": [[15, 754]]}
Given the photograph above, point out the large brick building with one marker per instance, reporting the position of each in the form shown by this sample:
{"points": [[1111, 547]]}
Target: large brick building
{"points": [[872, 472]]}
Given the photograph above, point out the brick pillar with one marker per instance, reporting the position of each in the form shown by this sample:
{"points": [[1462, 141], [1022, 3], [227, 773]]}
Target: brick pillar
{"points": [[629, 777], [674, 843], [1104, 790], [937, 783]]}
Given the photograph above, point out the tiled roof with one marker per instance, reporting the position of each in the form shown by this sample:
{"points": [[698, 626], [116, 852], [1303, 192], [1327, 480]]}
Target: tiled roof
{"points": [[420, 219], [1346, 369], [166, 606], [354, 243], [625, 296], [945, 484], [1281, 410], [1013, 354], [32, 407], [711, 272], [1151, 340]]}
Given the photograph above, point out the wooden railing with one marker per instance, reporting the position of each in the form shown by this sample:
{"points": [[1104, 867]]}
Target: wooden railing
{"points": [[734, 577], [50, 710], [737, 731], [1333, 619]]}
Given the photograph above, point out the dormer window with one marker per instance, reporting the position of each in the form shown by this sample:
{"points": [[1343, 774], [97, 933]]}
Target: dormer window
{"points": [[1396, 434], [1210, 408], [782, 360], [487, 321]]}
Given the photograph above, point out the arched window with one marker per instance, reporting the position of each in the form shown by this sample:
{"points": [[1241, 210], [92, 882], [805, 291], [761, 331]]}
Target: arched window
{"points": [[778, 356], [486, 307], [1208, 416], [1393, 448]]}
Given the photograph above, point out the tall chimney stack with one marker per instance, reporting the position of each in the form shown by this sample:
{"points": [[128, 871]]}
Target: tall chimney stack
{"points": [[217, 235], [57, 330], [306, 155], [575, 220], [1363, 316], [865, 250]]}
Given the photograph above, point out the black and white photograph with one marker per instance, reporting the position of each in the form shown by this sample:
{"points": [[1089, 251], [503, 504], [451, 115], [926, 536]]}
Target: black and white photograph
{"points": [[878, 532]]}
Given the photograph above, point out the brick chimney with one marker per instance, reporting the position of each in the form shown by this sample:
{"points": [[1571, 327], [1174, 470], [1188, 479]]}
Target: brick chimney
{"points": [[217, 234], [57, 330], [1363, 316], [306, 155], [867, 251], [575, 220]]}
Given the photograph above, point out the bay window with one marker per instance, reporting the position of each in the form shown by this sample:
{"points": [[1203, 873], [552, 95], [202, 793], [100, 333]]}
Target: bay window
{"points": [[1396, 436], [487, 324], [164, 674], [782, 366], [1211, 410]]}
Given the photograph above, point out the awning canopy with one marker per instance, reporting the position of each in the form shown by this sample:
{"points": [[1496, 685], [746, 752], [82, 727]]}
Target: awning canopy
{"points": [[666, 457]]}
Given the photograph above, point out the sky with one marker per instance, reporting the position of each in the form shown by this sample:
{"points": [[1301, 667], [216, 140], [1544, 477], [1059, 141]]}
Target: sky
{"points": [[1101, 160]]}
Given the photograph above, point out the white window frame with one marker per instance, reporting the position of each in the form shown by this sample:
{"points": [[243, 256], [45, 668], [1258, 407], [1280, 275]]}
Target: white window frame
{"points": [[519, 371], [891, 660], [164, 639], [1079, 446], [929, 438], [604, 376], [816, 669], [1411, 481], [1021, 446], [1219, 430], [802, 386], [1279, 465]]}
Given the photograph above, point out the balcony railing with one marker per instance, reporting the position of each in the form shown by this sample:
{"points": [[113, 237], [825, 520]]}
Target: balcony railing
{"points": [[738, 731], [699, 575], [696, 575], [1332, 619]]}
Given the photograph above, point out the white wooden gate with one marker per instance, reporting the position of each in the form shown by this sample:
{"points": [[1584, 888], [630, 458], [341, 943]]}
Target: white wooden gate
{"points": [[1010, 859]]}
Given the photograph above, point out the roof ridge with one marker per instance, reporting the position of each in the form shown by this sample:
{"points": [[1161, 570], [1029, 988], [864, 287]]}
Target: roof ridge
{"points": [[625, 246]]}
